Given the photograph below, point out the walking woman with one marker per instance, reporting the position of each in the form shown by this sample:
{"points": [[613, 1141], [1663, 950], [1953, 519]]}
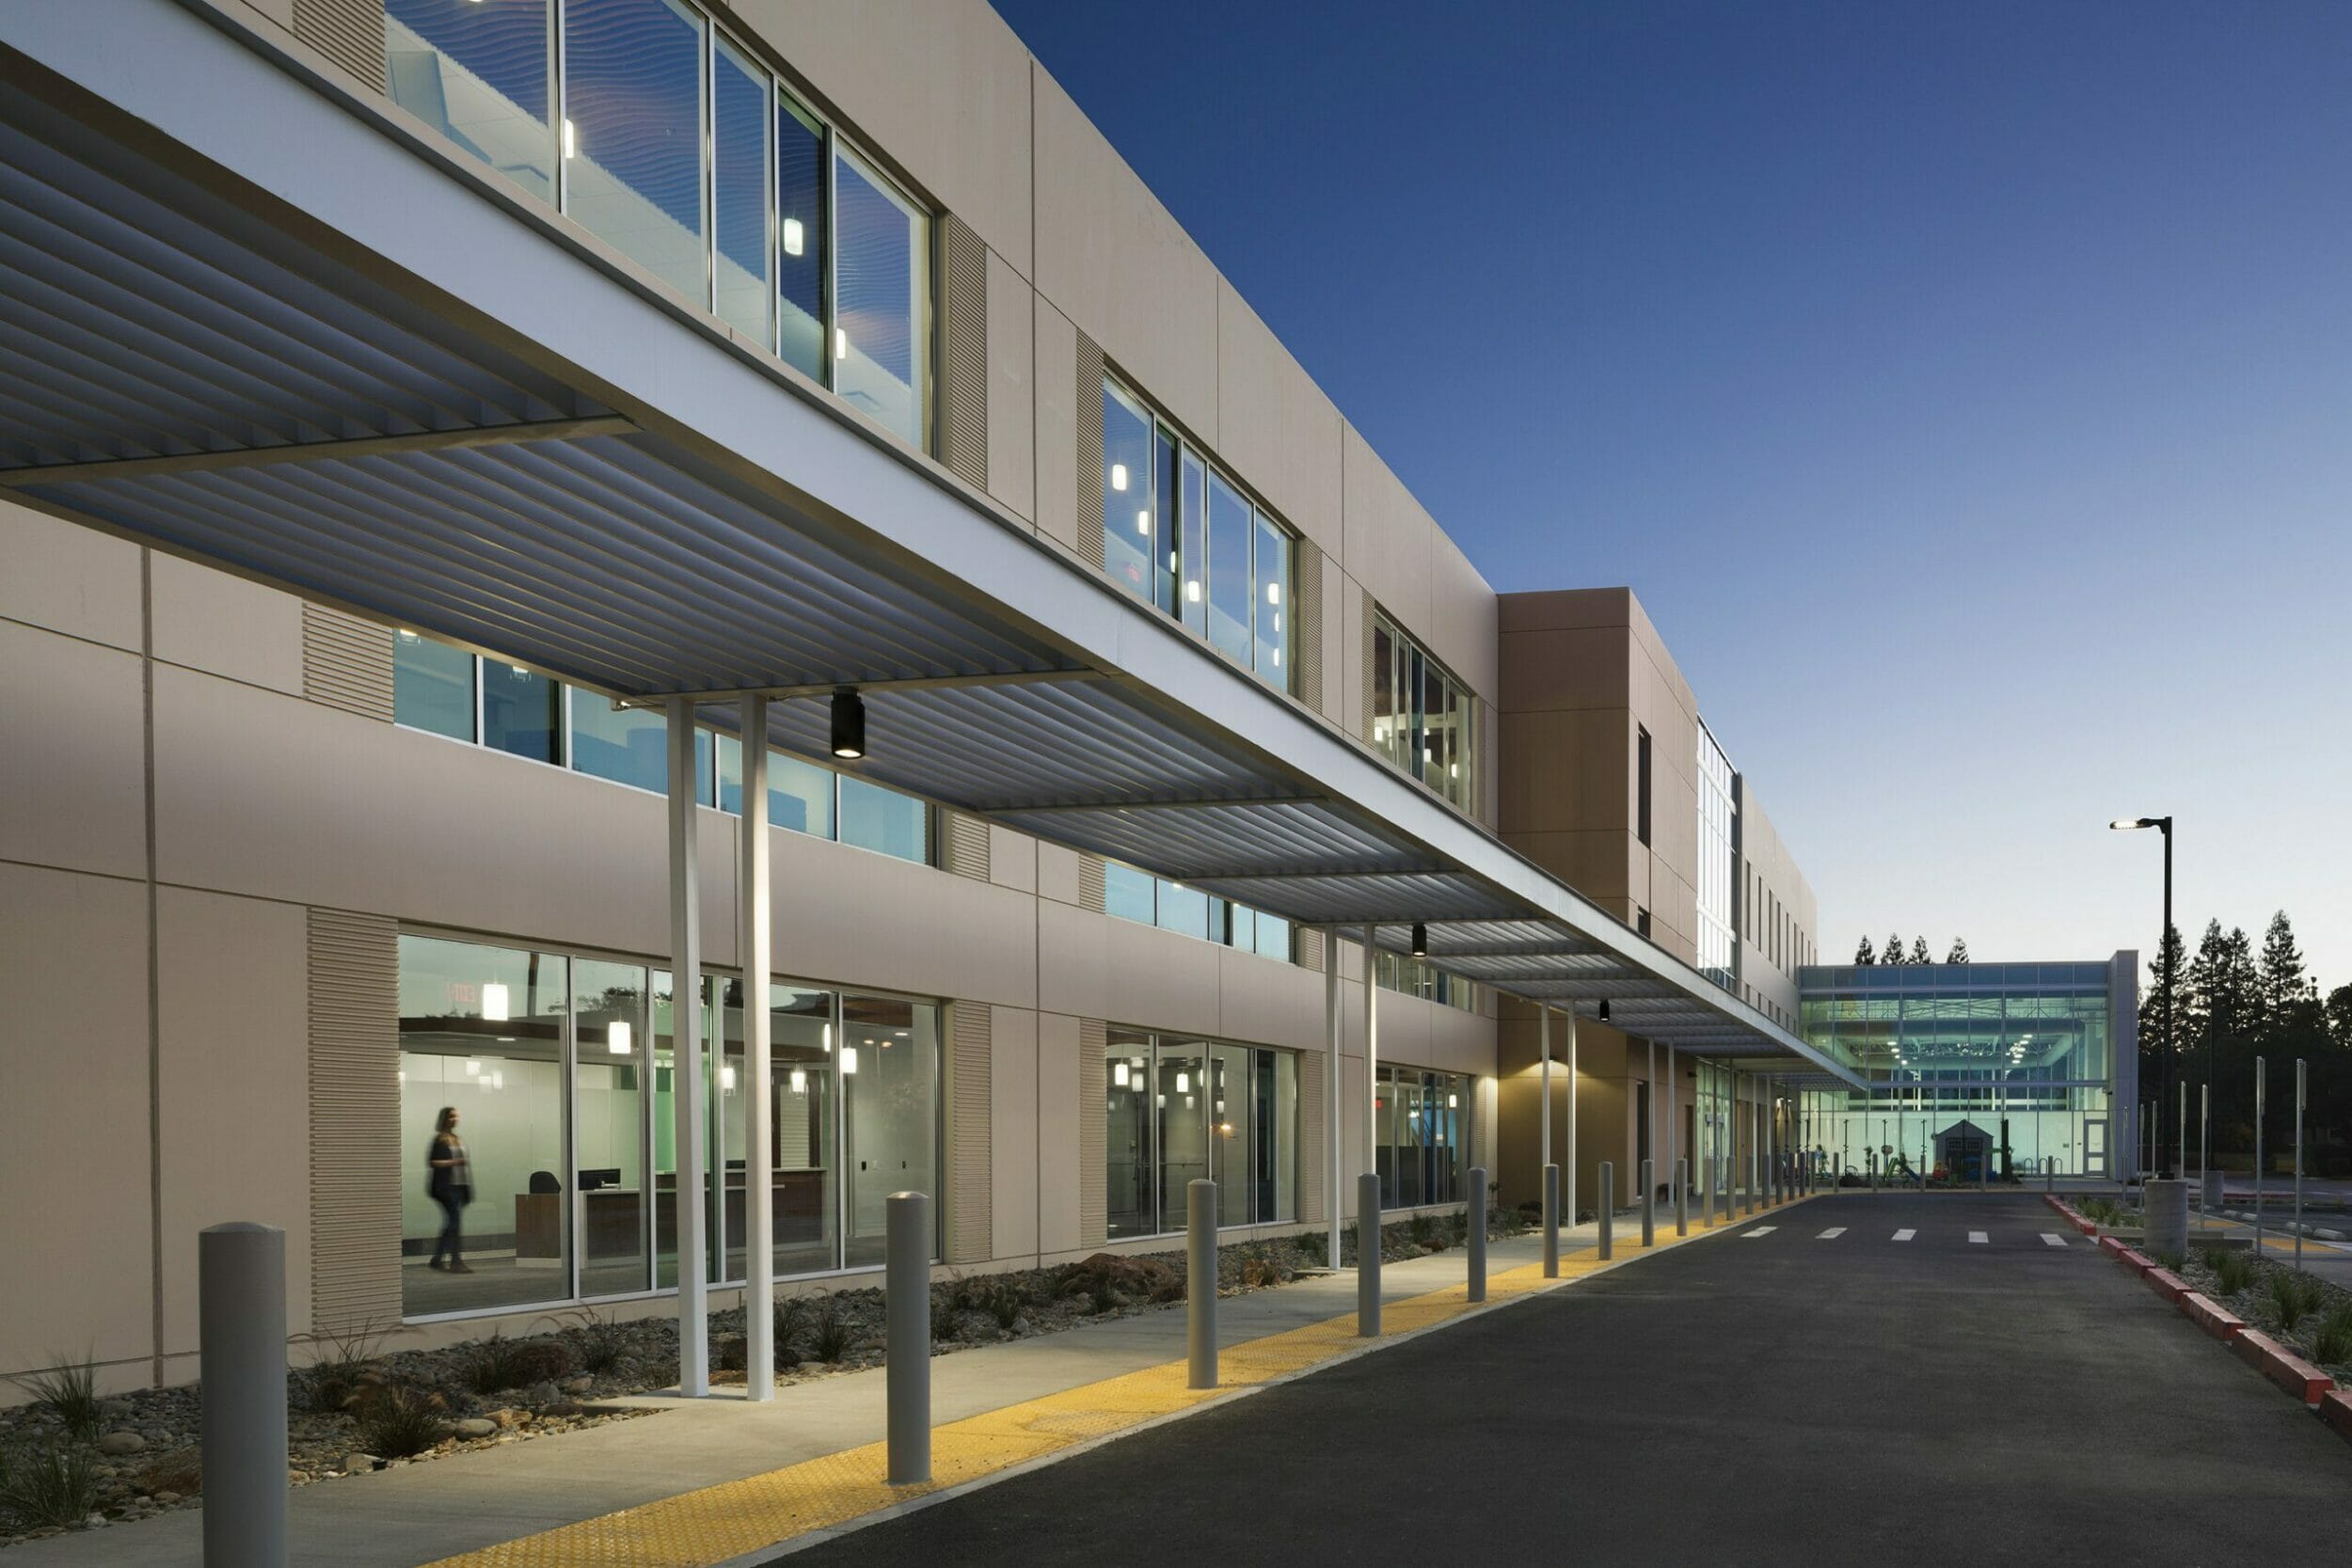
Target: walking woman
{"points": [[450, 1185]]}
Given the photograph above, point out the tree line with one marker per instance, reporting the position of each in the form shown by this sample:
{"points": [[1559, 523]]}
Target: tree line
{"points": [[1865, 954]]}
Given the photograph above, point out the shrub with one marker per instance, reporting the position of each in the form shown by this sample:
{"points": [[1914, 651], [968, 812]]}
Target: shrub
{"points": [[1424, 1229], [791, 1321], [1002, 1300], [500, 1363], [50, 1483], [181, 1470], [68, 1391], [1313, 1247], [601, 1346], [395, 1419], [2293, 1297], [2331, 1343], [343, 1355], [832, 1336], [2234, 1271]]}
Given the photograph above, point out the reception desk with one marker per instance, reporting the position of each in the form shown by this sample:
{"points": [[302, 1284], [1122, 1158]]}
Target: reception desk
{"points": [[612, 1218]]}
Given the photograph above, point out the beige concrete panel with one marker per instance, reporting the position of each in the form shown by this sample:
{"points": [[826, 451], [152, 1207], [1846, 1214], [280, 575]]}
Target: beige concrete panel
{"points": [[1460, 1041], [208, 620], [1388, 537], [1012, 392], [234, 1085], [1564, 667], [1567, 770], [1014, 1142], [1057, 433], [75, 1149], [1119, 264], [849, 914], [1346, 609], [1011, 859], [1058, 1112], [1405, 1029], [73, 768], [940, 88], [1264, 1001], [1057, 872], [1098, 966], [68, 577], [1464, 618], [1276, 430]]}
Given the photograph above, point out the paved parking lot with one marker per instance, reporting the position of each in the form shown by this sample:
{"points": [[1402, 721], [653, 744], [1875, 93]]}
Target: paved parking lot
{"points": [[1854, 1380]]}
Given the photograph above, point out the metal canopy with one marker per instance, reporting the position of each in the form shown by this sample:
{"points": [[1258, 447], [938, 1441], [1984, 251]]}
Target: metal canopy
{"points": [[249, 321]]}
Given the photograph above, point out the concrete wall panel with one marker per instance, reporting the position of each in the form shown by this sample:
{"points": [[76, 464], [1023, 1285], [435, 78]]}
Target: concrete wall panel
{"points": [[1012, 390], [68, 577], [1388, 537], [1058, 1113], [1014, 1145], [1056, 436], [72, 750], [208, 620], [1278, 429]]}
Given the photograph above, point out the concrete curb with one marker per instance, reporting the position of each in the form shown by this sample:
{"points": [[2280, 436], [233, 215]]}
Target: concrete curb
{"points": [[2170, 1285], [2211, 1316], [2283, 1367], [2336, 1410], [2138, 1262]]}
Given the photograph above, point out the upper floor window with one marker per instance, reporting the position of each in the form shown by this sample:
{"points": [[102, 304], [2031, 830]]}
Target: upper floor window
{"points": [[1422, 719], [1642, 784], [1420, 977], [1139, 895], [672, 143], [1181, 536]]}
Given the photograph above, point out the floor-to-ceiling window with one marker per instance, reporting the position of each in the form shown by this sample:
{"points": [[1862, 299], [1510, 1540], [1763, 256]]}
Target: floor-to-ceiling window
{"points": [[1420, 1125], [1178, 1110], [556, 1073], [1423, 717]]}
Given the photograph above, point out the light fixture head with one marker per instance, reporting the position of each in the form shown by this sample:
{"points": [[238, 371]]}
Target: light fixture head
{"points": [[617, 1038], [849, 1060], [1421, 940], [1604, 1009], [799, 1080], [495, 1005], [848, 723], [795, 237]]}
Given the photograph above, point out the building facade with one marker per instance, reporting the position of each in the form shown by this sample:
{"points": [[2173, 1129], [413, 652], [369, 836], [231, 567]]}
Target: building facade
{"points": [[302, 864]]}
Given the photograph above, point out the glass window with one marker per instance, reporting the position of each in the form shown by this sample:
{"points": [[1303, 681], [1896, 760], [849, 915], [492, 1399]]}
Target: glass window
{"points": [[801, 238], [1131, 1203], [1130, 522], [885, 820], [1192, 551], [1422, 716], [1182, 1125], [739, 183], [1272, 600], [1128, 893], [521, 712], [800, 792], [1167, 483], [801, 1085], [632, 134], [477, 71], [1241, 927], [432, 686], [1183, 909], [1273, 937], [890, 1113], [881, 326], [1232, 1134], [1229, 570], [665, 1123], [611, 1215], [729, 1135], [484, 1209], [627, 745]]}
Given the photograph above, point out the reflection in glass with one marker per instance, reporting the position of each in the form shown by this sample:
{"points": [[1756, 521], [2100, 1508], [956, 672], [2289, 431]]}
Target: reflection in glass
{"points": [[1270, 601], [1166, 481], [1178, 1098], [1232, 1132], [521, 711], [800, 792], [477, 71], [1184, 910], [665, 1165], [885, 820], [890, 1113], [1131, 1203], [627, 745], [801, 1083], [432, 686], [612, 1215], [882, 360], [632, 137], [739, 182], [801, 238], [1128, 893], [1229, 570], [1130, 520], [482, 1034], [1192, 550]]}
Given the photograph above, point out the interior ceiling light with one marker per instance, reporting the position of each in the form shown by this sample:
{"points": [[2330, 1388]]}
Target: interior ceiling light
{"points": [[1118, 476], [494, 1003], [795, 237], [848, 723], [616, 1038], [1118, 1075], [800, 1081], [849, 1060]]}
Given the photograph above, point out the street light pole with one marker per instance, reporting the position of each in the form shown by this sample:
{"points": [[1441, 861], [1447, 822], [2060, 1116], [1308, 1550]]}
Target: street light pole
{"points": [[2164, 948]]}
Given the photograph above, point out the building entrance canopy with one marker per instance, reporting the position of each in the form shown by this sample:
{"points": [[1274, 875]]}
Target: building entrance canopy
{"points": [[251, 319]]}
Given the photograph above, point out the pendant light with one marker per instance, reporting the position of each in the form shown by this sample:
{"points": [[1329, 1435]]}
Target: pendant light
{"points": [[848, 723]]}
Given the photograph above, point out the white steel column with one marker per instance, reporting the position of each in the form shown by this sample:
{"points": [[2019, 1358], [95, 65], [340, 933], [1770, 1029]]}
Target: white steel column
{"points": [[1674, 1124], [1368, 1236], [686, 1057], [1543, 1036], [1331, 1119], [1567, 1175], [1649, 1133], [753, 935]]}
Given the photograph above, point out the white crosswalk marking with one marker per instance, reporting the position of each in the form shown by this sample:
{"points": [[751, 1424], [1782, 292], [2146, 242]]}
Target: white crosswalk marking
{"points": [[2051, 1238], [1831, 1234], [1979, 1237], [1905, 1235], [1761, 1231]]}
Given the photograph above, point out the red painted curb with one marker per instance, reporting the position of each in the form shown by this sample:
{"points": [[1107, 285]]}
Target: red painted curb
{"points": [[2211, 1316], [2283, 1367], [2109, 1245], [2135, 1262], [2336, 1410], [2170, 1285]]}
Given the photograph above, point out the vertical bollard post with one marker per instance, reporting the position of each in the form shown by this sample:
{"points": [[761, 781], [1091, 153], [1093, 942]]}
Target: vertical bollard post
{"points": [[906, 1320], [1682, 1197], [1201, 1282], [2262, 1096], [1551, 1222], [2298, 1161], [241, 1309], [1605, 1212], [1368, 1255], [1478, 1233], [1649, 1205]]}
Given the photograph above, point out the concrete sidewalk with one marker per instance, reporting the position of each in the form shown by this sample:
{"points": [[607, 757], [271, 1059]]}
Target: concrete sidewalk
{"points": [[419, 1514]]}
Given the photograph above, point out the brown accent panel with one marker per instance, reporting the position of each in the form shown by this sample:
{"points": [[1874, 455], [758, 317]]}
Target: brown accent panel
{"points": [[1313, 1158], [346, 662], [1093, 1194], [967, 846], [1307, 633], [1090, 891], [971, 1100], [355, 1119], [964, 360], [1090, 408], [349, 32]]}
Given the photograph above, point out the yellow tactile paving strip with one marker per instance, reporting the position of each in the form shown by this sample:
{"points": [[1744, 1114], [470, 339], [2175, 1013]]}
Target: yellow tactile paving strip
{"points": [[713, 1523]]}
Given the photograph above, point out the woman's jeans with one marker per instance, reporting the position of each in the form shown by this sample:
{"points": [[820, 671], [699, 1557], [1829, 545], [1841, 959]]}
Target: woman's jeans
{"points": [[448, 1242]]}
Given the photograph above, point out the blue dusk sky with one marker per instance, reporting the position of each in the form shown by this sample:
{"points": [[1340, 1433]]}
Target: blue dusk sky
{"points": [[1966, 390]]}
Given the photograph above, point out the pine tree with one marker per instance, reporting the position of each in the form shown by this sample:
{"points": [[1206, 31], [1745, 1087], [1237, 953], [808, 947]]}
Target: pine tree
{"points": [[1919, 951], [1959, 955], [1865, 954], [2284, 989], [1893, 951], [2340, 1017]]}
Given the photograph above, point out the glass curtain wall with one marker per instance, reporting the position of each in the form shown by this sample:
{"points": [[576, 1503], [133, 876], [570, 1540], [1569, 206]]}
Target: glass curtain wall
{"points": [[559, 1071], [1718, 864], [1138, 896], [1181, 536], [1422, 719], [1411, 977], [1422, 1121], [657, 133], [1178, 1110]]}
